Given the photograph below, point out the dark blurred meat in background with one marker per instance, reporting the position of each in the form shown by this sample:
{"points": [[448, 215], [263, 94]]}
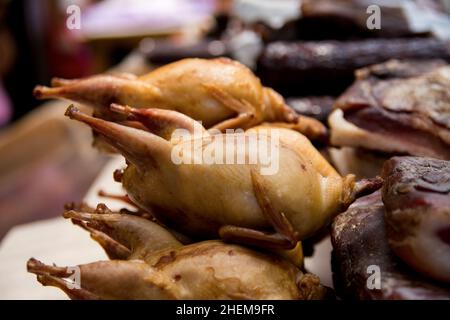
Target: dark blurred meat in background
{"points": [[327, 67], [293, 20], [315, 107], [347, 19], [313, 47]]}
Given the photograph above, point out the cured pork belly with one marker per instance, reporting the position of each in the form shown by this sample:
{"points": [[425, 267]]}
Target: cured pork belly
{"points": [[360, 244], [395, 110], [416, 195]]}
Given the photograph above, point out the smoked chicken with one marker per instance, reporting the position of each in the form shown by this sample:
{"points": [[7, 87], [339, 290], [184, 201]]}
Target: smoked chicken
{"points": [[151, 264], [271, 203], [221, 93]]}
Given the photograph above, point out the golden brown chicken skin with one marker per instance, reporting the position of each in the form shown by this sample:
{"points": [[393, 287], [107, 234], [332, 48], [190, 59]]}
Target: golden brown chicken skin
{"points": [[155, 265], [221, 93], [234, 201]]}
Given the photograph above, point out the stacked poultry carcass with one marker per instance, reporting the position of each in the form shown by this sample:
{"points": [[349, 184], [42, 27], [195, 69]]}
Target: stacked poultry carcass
{"points": [[217, 229], [243, 224]]}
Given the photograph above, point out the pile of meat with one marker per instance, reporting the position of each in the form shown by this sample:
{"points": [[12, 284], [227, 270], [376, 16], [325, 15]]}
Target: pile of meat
{"points": [[197, 224], [394, 244]]}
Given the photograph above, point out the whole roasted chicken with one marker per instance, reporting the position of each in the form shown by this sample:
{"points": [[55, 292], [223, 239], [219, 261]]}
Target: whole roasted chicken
{"points": [[150, 263], [270, 204], [221, 93]]}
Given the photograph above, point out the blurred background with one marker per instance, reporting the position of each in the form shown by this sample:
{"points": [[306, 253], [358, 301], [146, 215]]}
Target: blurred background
{"points": [[307, 50]]}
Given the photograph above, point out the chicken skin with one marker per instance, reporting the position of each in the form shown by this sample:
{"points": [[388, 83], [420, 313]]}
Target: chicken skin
{"points": [[239, 202], [221, 93], [152, 264]]}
